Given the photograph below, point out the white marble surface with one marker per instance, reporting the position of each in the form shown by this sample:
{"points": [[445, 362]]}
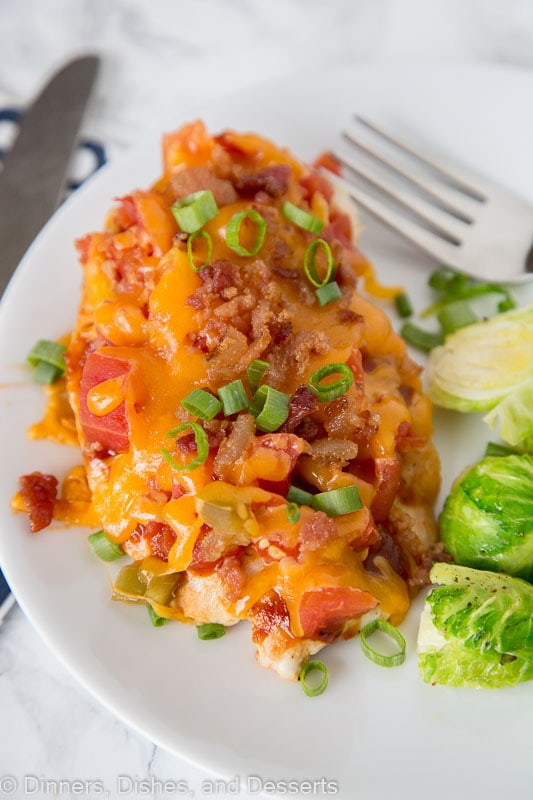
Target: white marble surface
{"points": [[157, 55]]}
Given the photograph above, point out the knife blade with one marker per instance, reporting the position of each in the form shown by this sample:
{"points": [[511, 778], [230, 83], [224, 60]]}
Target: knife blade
{"points": [[34, 176], [35, 169]]}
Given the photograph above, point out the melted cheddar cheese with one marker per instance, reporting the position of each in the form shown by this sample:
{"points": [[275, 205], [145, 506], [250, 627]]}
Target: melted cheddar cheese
{"points": [[215, 543]]}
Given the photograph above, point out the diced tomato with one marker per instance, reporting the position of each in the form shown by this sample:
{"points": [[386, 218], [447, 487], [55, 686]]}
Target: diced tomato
{"points": [[110, 431], [323, 612], [190, 146], [328, 161], [339, 228], [315, 182]]}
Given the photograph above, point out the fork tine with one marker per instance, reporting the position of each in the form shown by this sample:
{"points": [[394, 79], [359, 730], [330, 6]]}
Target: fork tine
{"points": [[462, 178], [439, 192], [446, 225], [431, 243]]}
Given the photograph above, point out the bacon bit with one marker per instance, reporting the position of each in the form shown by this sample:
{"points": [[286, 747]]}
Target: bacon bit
{"points": [[338, 452], [152, 539], [281, 331], [39, 492], [302, 403], [83, 246], [270, 613], [345, 420], [126, 214], [387, 482], [187, 443], [317, 531], [388, 548], [161, 537], [310, 430], [195, 179], [137, 547], [272, 180], [405, 440]]}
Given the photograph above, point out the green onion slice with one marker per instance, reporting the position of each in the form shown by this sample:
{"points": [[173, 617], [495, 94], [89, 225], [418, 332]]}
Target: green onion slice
{"points": [[210, 630], [104, 547], [496, 449], [202, 447], [393, 660], [234, 398], [457, 286], [255, 373], [46, 373], [48, 361], [403, 305], [301, 218], [293, 513], [507, 304], [201, 404], [419, 338], [330, 391], [328, 293], [190, 254], [193, 211], [233, 229], [49, 352], [299, 496], [270, 408], [156, 620], [313, 666], [337, 502], [456, 315], [310, 263], [445, 278]]}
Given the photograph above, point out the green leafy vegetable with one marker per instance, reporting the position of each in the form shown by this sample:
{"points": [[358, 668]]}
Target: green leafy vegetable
{"points": [[487, 519], [476, 629], [514, 416], [479, 365]]}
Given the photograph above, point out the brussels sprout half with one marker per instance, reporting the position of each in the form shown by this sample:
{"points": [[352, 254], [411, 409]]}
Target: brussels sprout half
{"points": [[487, 519], [476, 629], [478, 366]]}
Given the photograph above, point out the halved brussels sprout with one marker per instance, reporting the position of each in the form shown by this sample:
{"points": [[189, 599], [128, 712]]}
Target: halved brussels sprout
{"points": [[487, 519], [479, 365], [476, 629]]}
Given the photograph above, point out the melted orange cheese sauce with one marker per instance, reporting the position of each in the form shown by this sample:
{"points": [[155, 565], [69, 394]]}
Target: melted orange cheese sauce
{"points": [[136, 309]]}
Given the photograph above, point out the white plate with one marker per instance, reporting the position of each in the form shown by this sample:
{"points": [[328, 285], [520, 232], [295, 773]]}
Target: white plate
{"points": [[377, 733]]}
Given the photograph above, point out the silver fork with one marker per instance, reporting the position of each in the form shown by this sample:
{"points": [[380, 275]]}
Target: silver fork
{"points": [[463, 220]]}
